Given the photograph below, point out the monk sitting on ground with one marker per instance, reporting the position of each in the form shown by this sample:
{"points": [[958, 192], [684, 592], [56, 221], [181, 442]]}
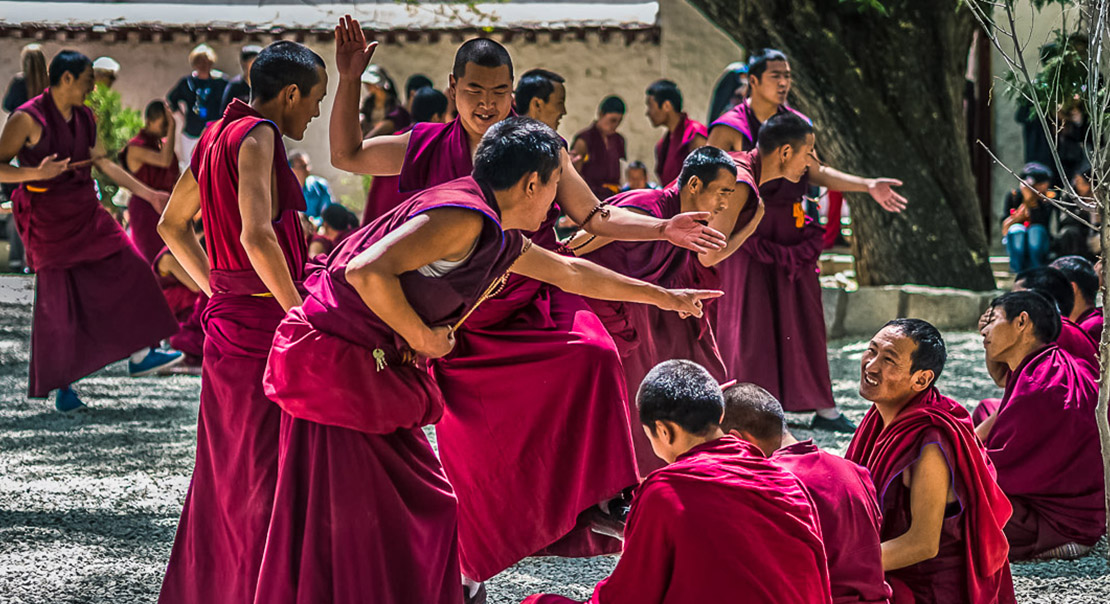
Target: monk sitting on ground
{"points": [[720, 522], [1085, 285], [842, 492], [1043, 439], [943, 512]]}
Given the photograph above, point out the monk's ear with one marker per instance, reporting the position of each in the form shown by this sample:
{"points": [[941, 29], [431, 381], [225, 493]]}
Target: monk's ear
{"points": [[922, 380], [291, 94], [732, 432]]}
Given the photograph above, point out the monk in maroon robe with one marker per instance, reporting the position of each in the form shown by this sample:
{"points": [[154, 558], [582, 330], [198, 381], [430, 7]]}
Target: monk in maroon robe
{"points": [[1084, 281], [598, 150], [683, 542], [1048, 408], [664, 108], [521, 480], [943, 512], [250, 199], [645, 336], [96, 300], [150, 157], [842, 492], [187, 301]]}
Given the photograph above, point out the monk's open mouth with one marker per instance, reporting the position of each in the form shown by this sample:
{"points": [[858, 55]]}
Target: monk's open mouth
{"points": [[870, 381]]}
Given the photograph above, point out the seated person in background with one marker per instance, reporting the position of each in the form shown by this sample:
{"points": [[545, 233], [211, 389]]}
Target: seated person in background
{"points": [[1027, 216], [336, 223], [943, 512], [720, 522], [1084, 285], [842, 491], [317, 194], [1043, 438], [636, 177]]}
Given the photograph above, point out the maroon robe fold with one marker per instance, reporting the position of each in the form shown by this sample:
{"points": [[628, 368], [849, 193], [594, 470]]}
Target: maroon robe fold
{"points": [[1045, 447], [971, 566], [362, 511], [770, 322], [720, 524], [672, 149], [188, 307], [1076, 342], [143, 217], [742, 119], [601, 167], [646, 335], [222, 532], [96, 299], [536, 427], [1091, 322], [850, 520]]}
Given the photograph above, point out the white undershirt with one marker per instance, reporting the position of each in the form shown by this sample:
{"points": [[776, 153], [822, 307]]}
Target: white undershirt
{"points": [[439, 268]]}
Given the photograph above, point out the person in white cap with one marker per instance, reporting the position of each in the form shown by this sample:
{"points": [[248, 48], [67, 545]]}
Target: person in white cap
{"points": [[105, 70]]}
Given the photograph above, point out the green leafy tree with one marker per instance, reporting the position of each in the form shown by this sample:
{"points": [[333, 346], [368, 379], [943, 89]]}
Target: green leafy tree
{"points": [[115, 125]]}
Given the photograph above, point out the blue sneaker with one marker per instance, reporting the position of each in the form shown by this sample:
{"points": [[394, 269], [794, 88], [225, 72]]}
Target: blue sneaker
{"points": [[154, 361], [66, 401]]}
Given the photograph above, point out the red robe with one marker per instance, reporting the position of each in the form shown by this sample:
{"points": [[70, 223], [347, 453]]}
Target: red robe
{"points": [[771, 325], [850, 520], [672, 149], [1045, 446], [646, 335], [222, 532], [971, 566], [536, 429], [742, 119], [96, 300], [144, 218], [188, 307], [1091, 322], [684, 543], [601, 167], [1081, 346], [363, 512]]}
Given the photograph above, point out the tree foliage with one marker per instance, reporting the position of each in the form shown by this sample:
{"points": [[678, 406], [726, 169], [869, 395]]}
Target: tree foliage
{"points": [[115, 125]]}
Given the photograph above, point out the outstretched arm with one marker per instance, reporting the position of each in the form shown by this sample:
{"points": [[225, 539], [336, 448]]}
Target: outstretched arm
{"points": [[880, 189], [725, 221], [585, 278], [684, 230], [124, 178], [380, 155], [176, 229]]}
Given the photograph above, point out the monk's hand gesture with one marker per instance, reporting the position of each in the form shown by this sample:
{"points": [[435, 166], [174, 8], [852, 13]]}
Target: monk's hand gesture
{"points": [[51, 166], [158, 200], [438, 342], [690, 231], [882, 191], [352, 53], [687, 302]]}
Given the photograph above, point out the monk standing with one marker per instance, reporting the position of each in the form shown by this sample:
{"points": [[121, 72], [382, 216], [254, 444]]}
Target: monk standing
{"points": [[240, 178], [96, 300], [542, 96], [1085, 285], [599, 149], [1048, 408], [842, 492], [150, 157], [664, 108], [719, 523], [530, 362], [943, 512]]}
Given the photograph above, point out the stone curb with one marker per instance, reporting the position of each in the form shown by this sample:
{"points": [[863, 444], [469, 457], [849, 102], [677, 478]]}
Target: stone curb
{"points": [[863, 312]]}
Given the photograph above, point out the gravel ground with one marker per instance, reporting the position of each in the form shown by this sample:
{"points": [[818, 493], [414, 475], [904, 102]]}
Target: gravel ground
{"points": [[89, 503]]}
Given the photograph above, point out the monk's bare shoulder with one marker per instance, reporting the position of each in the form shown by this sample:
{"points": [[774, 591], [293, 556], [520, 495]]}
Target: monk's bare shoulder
{"points": [[457, 222], [21, 129]]}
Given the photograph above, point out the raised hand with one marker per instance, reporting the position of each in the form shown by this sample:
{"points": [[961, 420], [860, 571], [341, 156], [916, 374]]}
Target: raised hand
{"points": [[882, 191], [688, 231], [438, 343], [687, 302], [352, 53], [51, 167]]}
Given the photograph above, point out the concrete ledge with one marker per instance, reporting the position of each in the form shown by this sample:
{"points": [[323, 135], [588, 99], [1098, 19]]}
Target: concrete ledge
{"points": [[862, 312]]}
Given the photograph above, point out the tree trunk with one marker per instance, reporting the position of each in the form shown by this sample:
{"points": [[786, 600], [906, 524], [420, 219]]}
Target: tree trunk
{"points": [[886, 95], [1102, 410]]}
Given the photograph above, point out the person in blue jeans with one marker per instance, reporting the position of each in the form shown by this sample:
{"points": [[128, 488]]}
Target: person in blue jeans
{"points": [[1027, 215]]}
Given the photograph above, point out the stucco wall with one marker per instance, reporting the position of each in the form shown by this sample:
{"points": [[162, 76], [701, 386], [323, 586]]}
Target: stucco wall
{"points": [[696, 53]]}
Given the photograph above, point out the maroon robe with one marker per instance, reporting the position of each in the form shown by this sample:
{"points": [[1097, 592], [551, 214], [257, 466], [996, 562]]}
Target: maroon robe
{"points": [[96, 299], [601, 167], [720, 524], [536, 428], [1045, 446], [144, 218], [850, 520], [971, 565], [222, 532], [1091, 322], [672, 149], [1076, 342], [770, 322], [646, 335], [188, 307], [742, 119], [363, 512]]}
